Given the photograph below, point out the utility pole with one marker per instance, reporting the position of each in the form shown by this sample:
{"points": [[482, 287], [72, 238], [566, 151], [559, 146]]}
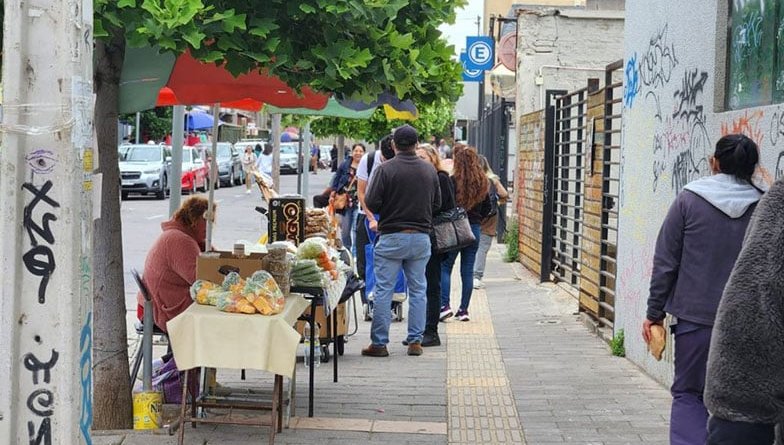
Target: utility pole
{"points": [[46, 194], [138, 126], [275, 135], [175, 180]]}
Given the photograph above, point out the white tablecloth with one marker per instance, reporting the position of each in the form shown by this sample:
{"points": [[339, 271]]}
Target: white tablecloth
{"points": [[205, 336]]}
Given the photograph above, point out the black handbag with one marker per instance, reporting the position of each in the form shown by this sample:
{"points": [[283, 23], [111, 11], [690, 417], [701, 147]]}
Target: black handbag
{"points": [[451, 231]]}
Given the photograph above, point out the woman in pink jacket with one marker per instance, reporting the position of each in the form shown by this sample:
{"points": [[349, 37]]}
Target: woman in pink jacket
{"points": [[170, 268]]}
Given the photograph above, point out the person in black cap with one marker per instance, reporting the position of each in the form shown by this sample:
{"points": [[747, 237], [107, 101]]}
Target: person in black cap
{"points": [[405, 192]]}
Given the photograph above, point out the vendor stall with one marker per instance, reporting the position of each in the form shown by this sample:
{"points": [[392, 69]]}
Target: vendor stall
{"points": [[249, 301]]}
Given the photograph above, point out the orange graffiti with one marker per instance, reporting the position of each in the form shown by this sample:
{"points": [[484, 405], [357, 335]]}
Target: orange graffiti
{"points": [[747, 124]]}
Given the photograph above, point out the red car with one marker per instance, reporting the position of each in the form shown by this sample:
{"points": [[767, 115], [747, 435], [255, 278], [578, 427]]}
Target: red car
{"points": [[194, 171]]}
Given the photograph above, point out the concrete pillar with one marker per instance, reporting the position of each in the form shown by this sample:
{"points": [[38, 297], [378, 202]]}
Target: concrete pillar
{"points": [[46, 194]]}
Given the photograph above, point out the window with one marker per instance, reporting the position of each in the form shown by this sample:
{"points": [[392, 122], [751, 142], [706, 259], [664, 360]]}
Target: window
{"points": [[756, 53]]}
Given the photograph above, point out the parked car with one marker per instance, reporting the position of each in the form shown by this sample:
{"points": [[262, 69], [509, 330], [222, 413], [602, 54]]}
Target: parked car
{"points": [[229, 163], [288, 157], [194, 171], [145, 169]]}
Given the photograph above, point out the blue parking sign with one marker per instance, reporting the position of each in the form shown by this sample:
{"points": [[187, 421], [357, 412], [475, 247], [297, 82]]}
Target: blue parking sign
{"points": [[479, 53], [468, 74]]}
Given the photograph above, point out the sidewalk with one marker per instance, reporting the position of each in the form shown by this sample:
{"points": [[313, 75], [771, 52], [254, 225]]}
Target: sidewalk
{"points": [[523, 370]]}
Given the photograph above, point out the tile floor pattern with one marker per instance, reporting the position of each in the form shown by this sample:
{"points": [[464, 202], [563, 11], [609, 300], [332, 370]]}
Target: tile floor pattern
{"points": [[481, 407]]}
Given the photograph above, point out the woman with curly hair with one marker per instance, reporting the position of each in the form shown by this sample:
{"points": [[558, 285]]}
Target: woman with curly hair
{"points": [[170, 267], [472, 189]]}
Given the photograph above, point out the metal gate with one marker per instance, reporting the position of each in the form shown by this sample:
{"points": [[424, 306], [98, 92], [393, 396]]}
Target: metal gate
{"points": [[611, 174], [490, 137], [571, 145]]}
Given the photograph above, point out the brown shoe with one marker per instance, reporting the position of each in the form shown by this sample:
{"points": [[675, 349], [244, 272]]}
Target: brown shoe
{"points": [[375, 351], [415, 348]]}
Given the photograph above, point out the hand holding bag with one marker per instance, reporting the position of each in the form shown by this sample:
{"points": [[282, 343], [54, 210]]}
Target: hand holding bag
{"points": [[451, 231], [340, 201]]}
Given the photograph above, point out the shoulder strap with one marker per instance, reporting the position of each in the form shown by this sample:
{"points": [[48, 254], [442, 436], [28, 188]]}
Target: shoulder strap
{"points": [[371, 160]]}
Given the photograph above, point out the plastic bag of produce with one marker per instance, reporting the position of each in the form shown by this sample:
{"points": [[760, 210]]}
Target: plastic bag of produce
{"points": [[227, 301], [200, 290], [233, 282], [311, 248], [263, 293]]}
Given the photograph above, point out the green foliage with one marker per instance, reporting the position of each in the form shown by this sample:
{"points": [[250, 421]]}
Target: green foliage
{"points": [[434, 120], [356, 49], [616, 344], [155, 123], [512, 241]]}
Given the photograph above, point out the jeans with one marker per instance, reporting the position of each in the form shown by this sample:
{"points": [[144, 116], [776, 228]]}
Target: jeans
{"points": [[485, 241], [433, 275], [689, 417], [727, 432], [467, 259], [411, 251], [348, 222]]}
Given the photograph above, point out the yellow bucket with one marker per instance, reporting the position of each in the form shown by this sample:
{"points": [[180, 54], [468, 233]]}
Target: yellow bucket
{"points": [[147, 408]]}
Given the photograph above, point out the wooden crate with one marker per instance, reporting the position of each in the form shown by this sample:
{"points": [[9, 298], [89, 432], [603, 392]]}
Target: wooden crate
{"points": [[322, 322]]}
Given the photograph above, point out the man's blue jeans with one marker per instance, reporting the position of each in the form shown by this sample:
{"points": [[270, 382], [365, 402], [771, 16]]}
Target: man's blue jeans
{"points": [[467, 259], [394, 251]]}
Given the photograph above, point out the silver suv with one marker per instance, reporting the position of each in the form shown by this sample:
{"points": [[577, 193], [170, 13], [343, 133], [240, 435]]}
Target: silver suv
{"points": [[145, 169]]}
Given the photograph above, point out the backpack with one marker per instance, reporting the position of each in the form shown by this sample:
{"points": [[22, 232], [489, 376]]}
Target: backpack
{"points": [[493, 200]]}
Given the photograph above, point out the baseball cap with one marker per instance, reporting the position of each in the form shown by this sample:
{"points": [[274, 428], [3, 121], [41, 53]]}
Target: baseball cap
{"points": [[405, 136]]}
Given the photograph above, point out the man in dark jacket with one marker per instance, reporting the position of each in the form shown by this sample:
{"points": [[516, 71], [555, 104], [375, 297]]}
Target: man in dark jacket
{"points": [[745, 379], [404, 192]]}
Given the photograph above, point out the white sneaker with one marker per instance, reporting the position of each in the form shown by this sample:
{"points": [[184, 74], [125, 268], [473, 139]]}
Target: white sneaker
{"points": [[478, 284], [248, 191]]}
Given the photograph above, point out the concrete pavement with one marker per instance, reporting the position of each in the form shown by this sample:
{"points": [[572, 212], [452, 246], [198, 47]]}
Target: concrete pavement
{"points": [[524, 370]]}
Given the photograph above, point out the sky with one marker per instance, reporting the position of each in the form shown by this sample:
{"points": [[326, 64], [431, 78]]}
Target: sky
{"points": [[465, 25]]}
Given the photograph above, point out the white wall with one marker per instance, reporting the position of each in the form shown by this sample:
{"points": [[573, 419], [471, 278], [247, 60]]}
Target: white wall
{"points": [[674, 53], [582, 42]]}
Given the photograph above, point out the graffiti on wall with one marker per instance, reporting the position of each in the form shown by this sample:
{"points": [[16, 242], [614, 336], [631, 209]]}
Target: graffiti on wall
{"points": [[631, 84], [659, 61], [39, 260], [40, 402], [748, 123]]}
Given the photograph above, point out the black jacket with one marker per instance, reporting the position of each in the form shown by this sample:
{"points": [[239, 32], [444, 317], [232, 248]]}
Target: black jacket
{"points": [[404, 191]]}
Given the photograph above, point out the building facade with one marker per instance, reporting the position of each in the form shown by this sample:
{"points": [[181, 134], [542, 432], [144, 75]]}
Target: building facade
{"points": [[694, 71]]}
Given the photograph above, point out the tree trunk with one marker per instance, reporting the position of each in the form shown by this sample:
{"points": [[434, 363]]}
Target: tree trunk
{"points": [[112, 405]]}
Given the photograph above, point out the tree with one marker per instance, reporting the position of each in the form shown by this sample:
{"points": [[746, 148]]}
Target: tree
{"points": [[155, 123], [355, 49], [434, 120]]}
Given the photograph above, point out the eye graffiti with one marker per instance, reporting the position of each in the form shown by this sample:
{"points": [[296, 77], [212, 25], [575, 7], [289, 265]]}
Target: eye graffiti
{"points": [[41, 161]]}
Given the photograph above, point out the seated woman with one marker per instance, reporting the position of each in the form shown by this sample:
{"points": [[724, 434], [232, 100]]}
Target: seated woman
{"points": [[170, 267]]}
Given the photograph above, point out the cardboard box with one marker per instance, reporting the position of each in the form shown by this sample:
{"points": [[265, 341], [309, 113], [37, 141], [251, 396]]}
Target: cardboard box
{"points": [[321, 320], [287, 219], [208, 265]]}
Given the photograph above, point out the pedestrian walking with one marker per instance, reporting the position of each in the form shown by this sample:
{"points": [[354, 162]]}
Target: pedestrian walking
{"points": [[404, 191], [745, 377], [444, 150], [248, 166], [366, 168], [264, 161], [472, 192], [697, 246], [344, 186], [315, 155], [333, 158], [489, 226], [433, 269]]}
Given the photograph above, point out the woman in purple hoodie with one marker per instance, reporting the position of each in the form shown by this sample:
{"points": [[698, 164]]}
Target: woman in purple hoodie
{"points": [[696, 249]]}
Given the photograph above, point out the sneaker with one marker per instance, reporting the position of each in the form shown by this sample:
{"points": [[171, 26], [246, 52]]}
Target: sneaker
{"points": [[446, 312], [431, 340], [375, 351], [462, 315], [478, 284], [415, 348], [247, 191]]}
